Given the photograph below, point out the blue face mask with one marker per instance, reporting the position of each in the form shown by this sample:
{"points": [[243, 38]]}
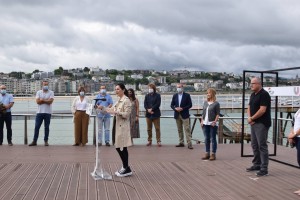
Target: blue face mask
{"points": [[3, 91], [45, 87], [81, 93], [103, 91]]}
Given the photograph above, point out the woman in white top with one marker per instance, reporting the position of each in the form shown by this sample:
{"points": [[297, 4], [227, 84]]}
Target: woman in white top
{"points": [[295, 134], [209, 123], [81, 119]]}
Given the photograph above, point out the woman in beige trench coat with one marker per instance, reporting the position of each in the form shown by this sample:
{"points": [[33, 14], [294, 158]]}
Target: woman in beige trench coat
{"points": [[122, 111]]}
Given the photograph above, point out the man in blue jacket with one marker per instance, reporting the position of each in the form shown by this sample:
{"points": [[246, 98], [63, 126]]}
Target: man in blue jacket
{"points": [[181, 103]]}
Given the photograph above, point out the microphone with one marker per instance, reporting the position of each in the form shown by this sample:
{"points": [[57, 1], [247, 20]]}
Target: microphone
{"points": [[96, 100]]}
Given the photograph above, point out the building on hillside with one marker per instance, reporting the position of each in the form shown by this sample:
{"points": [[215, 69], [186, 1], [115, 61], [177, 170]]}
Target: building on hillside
{"points": [[120, 78]]}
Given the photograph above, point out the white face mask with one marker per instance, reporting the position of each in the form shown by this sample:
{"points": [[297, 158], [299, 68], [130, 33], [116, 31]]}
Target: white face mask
{"points": [[151, 90], [81, 93], [179, 90]]}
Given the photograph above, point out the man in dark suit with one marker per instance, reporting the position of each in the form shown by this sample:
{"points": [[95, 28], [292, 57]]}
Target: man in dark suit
{"points": [[181, 103]]}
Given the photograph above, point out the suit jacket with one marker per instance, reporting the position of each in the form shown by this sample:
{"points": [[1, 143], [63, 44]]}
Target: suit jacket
{"points": [[185, 104], [152, 101]]}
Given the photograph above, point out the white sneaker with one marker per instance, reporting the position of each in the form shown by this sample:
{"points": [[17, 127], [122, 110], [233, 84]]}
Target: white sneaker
{"points": [[125, 172], [120, 171]]}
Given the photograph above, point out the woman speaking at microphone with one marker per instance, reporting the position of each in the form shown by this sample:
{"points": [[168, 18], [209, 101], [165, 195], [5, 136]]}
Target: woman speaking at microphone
{"points": [[122, 110]]}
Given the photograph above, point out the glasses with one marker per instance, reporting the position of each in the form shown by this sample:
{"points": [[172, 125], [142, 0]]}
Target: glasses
{"points": [[253, 83]]}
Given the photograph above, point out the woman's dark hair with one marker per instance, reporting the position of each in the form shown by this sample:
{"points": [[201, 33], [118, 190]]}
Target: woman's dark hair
{"points": [[133, 94], [122, 86]]}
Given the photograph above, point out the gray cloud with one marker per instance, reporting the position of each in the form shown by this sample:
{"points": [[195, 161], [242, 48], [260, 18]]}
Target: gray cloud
{"points": [[207, 35]]}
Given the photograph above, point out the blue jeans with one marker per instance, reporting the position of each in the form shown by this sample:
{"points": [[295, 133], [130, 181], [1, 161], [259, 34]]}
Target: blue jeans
{"points": [[210, 134], [103, 123], [298, 149], [38, 122]]}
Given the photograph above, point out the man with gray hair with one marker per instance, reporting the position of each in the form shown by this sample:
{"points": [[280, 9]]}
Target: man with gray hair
{"points": [[181, 103], [259, 117]]}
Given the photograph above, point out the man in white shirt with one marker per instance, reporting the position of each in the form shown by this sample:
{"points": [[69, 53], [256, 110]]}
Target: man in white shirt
{"points": [[44, 99]]}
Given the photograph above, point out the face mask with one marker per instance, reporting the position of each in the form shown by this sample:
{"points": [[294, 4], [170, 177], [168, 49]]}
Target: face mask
{"points": [[45, 87], [151, 90], [103, 91], [81, 93], [179, 90], [3, 91]]}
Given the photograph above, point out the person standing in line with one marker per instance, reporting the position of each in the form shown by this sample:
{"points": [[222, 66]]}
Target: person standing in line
{"points": [[181, 103], [122, 139], [7, 101], [152, 103], [294, 137], [209, 123], [134, 117], [44, 99], [81, 118], [259, 118], [103, 117]]}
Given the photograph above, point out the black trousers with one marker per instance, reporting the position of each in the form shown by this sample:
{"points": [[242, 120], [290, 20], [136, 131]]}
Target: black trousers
{"points": [[8, 120], [124, 156]]}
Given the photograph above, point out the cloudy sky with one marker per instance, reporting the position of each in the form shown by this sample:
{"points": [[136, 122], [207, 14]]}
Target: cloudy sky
{"points": [[210, 35]]}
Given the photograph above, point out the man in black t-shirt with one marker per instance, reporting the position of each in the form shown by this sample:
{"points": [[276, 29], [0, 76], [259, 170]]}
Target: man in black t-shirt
{"points": [[259, 117]]}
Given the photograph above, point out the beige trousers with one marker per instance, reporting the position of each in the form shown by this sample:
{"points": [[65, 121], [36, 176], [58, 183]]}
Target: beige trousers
{"points": [[183, 123]]}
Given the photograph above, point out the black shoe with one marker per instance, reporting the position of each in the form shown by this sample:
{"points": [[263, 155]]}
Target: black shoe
{"points": [[180, 145], [190, 146], [75, 144], [124, 172], [10, 143], [0, 143], [262, 173], [107, 144], [252, 168], [33, 143]]}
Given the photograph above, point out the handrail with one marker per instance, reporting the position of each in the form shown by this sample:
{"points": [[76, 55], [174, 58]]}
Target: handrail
{"points": [[94, 120]]}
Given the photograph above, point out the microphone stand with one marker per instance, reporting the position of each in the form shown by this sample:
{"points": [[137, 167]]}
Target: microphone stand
{"points": [[99, 173]]}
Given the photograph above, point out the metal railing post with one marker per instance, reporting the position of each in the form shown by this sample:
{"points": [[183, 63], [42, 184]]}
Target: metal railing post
{"points": [[25, 131], [94, 137]]}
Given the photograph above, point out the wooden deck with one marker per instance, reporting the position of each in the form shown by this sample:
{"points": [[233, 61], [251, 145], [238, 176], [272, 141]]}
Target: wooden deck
{"points": [[63, 172]]}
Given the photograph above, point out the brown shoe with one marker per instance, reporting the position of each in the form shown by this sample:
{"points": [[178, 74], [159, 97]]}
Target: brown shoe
{"points": [[33, 143], [212, 156], [46, 143], [159, 144], [206, 156], [149, 143]]}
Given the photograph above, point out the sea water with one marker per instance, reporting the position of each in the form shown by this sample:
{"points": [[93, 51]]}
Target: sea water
{"points": [[62, 128]]}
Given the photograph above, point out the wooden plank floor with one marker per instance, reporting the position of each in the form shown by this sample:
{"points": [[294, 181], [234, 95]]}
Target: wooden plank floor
{"points": [[63, 172]]}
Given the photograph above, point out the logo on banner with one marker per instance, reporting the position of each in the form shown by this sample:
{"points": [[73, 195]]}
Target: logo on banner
{"points": [[297, 91]]}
